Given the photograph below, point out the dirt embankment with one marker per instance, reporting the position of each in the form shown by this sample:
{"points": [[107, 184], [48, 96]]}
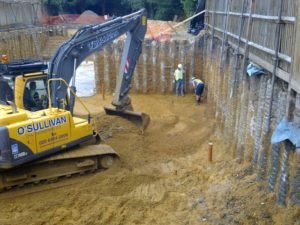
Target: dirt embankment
{"points": [[163, 177]]}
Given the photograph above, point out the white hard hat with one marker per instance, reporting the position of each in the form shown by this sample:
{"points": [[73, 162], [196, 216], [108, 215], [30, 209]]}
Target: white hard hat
{"points": [[180, 66]]}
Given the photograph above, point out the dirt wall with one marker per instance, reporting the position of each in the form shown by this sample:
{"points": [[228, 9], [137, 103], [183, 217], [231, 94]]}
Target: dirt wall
{"points": [[241, 105]]}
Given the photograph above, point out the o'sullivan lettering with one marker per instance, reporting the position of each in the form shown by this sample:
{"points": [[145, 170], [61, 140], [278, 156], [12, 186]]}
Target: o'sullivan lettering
{"points": [[35, 127], [94, 44]]}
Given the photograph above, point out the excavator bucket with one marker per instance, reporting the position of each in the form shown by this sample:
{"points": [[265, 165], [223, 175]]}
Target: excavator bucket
{"points": [[141, 120]]}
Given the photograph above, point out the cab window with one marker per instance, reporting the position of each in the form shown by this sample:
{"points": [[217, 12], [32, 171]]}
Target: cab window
{"points": [[35, 95]]}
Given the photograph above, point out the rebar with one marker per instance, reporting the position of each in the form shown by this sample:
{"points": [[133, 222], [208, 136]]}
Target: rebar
{"points": [[264, 139], [295, 193], [275, 161], [275, 154], [259, 119], [284, 179]]}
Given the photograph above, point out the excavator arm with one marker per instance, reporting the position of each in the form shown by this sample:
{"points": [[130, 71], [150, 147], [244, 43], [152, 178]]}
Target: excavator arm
{"points": [[91, 39]]}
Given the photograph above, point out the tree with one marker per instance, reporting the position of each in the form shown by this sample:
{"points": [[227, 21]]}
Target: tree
{"points": [[157, 9], [53, 6], [103, 7], [138, 4], [189, 7], [135, 4], [167, 9]]}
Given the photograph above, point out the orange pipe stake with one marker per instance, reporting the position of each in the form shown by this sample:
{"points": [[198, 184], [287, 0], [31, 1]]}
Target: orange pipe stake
{"points": [[210, 151]]}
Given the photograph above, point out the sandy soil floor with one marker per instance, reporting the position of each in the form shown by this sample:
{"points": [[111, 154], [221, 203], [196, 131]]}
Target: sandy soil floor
{"points": [[163, 177]]}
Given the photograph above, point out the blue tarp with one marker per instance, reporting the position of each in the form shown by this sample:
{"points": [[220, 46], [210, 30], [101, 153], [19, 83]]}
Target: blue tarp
{"points": [[254, 70], [287, 131]]}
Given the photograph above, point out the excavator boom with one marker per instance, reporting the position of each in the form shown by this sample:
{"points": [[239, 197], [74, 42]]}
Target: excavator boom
{"points": [[90, 39]]}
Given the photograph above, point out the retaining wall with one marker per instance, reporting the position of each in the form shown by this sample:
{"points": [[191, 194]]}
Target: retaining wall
{"points": [[249, 108], [28, 42], [155, 68], [243, 115]]}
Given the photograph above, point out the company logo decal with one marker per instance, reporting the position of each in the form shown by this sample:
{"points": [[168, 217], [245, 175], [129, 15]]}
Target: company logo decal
{"points": [[102, 40], [35, 127]]}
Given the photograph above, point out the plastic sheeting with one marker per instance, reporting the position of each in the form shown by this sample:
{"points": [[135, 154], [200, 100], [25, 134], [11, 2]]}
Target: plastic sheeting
{"points": [[254, 70], [287, 131]]}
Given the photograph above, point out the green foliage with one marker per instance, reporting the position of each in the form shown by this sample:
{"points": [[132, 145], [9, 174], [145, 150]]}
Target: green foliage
{"points": [[157, 9], [135, 4], [53, 6], [189, 7], [166, 10]]}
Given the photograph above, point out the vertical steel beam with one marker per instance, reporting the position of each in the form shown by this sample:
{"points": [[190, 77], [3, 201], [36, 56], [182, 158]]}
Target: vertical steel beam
{"points": [[248, 35], [295, 66], [237, 54], [276, 61], [224, 38], [213, 27]]}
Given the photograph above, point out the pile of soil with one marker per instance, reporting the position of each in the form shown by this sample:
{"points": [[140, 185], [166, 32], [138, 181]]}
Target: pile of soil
{"points": [[89, 17], [163, 176], [162, 30]]}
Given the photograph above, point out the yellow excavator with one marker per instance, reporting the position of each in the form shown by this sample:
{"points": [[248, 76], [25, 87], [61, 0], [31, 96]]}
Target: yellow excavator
{"points": [[39, 133]]}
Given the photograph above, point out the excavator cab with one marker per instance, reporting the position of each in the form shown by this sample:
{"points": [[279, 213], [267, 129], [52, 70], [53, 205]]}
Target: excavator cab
{"points": [[35, 94], [24, 82], [13, 77]]}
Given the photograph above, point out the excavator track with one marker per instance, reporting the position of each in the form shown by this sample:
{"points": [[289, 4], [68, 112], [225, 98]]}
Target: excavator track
{"points": [[82, 160]]}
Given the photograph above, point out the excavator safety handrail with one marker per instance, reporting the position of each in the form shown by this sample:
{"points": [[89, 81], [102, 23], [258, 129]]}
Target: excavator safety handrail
{"points": [[73, 93]]}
